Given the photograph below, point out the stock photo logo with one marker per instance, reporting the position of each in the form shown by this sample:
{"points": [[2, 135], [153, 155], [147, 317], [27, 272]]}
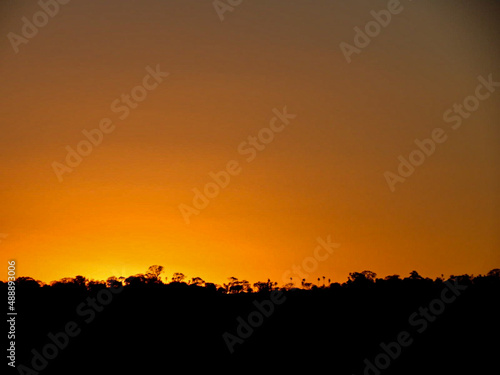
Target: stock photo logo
{"points": [[57, 342], [372, 29], [31, 26], [121, 106], [264, 309], [420, 321], [224, 6], [427, 146], [221, 179]]}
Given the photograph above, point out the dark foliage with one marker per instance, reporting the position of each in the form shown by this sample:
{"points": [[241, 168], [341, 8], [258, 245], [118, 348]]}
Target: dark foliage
{"points": [[149, 326]]}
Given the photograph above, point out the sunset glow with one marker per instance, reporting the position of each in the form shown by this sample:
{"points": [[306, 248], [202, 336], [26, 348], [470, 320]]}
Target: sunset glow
{"points": [[322, 174]]}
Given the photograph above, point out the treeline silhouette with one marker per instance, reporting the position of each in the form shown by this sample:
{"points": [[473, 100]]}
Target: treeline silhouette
{"points": [[148, 323]]}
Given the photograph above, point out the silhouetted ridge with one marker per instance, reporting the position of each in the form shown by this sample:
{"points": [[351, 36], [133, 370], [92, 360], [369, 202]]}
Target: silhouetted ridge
{"points": [[147, 323]]}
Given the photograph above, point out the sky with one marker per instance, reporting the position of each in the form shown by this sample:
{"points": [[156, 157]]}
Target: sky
{"points": [[324, 174]]}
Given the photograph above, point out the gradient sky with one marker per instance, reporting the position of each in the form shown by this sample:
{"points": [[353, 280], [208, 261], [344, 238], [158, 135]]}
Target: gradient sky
{"points": [[118, 212]]}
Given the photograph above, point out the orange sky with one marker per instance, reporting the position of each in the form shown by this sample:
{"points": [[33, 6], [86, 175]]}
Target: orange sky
{"points": [[118, 211]]}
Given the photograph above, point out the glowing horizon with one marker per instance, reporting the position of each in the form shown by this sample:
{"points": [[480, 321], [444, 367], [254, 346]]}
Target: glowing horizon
{"points": [[322, 174]]}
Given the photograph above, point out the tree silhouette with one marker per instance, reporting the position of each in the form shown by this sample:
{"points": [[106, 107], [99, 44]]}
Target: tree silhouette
{"points": [[246, 286], [369, 275], [28, 282], [232, 285], [362, 279], [392, 277], [261, 286], [494, 273], [80, 281], [196, 281], [113, 282], [415, 276], [356, 315], [178, 277], [153, 274], [136, 280]]}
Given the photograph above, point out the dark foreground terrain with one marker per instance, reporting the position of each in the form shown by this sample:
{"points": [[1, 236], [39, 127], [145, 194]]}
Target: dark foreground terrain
{"points": [[364, 326]]}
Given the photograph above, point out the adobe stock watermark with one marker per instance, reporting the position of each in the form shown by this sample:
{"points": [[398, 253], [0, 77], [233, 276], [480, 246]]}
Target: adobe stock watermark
{"points": [[266, 308], [121, 106], [426, 147], [220, 180], [372, 29], [59, 341], [419, 320], [223, 6], [48, 9]]}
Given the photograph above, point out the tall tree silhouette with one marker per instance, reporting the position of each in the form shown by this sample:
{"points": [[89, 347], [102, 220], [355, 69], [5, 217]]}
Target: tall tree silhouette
{"points": [[153, 274]]}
